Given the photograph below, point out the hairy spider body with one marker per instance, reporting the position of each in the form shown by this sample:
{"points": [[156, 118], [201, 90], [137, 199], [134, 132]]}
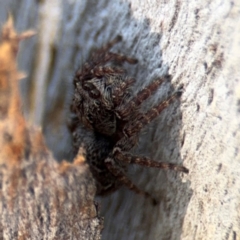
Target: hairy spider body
{"points": [[104, 108]]}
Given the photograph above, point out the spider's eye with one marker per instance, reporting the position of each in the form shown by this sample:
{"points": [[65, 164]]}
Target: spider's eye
{"points": [[94, 93], [90, 118], [87, 86], [91, 89], [109, 89]]}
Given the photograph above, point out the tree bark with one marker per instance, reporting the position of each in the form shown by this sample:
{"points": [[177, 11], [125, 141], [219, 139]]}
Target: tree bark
{"points": [[197, 42], [40, 198]]}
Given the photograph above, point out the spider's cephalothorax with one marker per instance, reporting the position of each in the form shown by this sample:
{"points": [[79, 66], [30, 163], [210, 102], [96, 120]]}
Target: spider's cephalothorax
{"points": [[105, 109]]}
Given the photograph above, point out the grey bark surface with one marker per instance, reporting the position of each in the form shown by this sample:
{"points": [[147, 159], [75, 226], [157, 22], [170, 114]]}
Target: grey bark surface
{"points": [[198, 43]]}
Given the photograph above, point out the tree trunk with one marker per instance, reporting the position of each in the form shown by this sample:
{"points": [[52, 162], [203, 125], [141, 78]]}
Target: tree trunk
{"points": [[40, 198], [198, 43]]}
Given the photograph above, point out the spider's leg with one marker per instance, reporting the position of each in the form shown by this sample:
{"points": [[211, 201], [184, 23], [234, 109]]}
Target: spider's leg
{"points": [[117, 57], [147, 162], [108, 56], [103, 58], [100, 57], [110, 44], [103, 55], [100, 71], [121, 177], [133, 127], [124, 110]]}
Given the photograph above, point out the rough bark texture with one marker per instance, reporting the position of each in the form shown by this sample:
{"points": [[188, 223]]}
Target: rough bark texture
{"points": [[199, 43], [39, 198]]}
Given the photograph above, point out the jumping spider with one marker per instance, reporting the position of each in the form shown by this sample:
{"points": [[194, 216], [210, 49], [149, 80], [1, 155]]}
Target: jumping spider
{"points": [[104, 107]]}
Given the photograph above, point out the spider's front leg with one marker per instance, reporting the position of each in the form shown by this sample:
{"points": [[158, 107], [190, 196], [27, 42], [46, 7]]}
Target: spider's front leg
{"points": [[122, 178], [120, 152], [122, 147], [131, 131], [145, 161], [124, 110], [142, 119]]}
